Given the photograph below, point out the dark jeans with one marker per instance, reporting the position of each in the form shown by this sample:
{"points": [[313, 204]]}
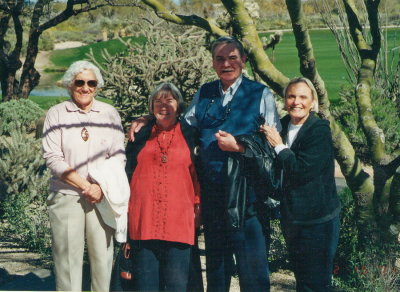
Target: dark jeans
{"points": [[160, 265], [311, 252], [247, 245]]}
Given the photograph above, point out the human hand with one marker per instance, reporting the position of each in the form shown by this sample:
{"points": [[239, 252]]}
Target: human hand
{"points": [[226, 142], [136, 125], [93, 194], [272, 135]]}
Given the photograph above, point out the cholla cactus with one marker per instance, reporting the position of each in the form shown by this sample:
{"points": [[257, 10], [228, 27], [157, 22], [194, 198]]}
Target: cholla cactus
{"points": [[21, 113], [168, 54], [24, 188], [22, 168]]}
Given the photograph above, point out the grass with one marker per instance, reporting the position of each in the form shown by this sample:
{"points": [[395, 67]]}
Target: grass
{"points": [[63, 58], [45, 102], [327, 55], [329, 62]]}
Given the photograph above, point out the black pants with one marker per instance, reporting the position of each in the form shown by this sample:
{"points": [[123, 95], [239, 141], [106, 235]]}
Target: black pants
{"points": [[311, 252], [248, 245], [160, 265]]}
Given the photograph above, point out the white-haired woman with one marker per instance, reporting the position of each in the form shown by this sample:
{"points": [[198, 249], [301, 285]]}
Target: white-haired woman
{"points": [[309, 205], [164, 202], [78, 135]]}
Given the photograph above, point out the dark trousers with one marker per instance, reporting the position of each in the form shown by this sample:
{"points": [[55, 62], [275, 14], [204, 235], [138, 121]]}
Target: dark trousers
{"points": [[311, 252], [160, 265], [247, 245]]}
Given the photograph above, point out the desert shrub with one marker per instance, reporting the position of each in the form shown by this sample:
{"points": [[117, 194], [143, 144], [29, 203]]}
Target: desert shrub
{"points": [[278, 255], [46, 41], [28, 221], [20, 114], [169, 54], [386, 114], [369, 269], [24, 188]]}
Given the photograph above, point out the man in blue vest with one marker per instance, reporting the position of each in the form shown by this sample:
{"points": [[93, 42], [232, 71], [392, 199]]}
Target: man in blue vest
{"points": [[231, 106]]}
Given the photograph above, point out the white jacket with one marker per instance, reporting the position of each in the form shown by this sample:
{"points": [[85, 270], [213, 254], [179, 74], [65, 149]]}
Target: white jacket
{"points": [[111, 177]]}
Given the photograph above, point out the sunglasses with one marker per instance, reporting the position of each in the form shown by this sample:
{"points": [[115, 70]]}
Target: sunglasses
{"points": [[90, 83]]}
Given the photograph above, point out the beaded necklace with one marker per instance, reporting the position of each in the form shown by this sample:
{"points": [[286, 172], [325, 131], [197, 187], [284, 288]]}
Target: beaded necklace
{"points": [[164, 150]]}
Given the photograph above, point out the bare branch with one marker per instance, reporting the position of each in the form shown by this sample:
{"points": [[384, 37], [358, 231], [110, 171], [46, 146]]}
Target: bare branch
{"points": [[373, 133], [340, 30], [19, 35], [391, 167], [356, 29], [306, 54], [64, 15], [372, 8], [3, 28], [4, 6], [195, 20]]}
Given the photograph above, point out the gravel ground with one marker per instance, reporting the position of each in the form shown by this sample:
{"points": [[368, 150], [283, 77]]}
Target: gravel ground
{"points": [[24, 270]]}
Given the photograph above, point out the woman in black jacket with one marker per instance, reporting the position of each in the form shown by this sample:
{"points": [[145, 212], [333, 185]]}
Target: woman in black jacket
{"points": [[310, 206]]}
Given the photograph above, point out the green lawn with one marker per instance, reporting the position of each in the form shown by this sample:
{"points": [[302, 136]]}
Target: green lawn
{"points": [[329, 62], [45, 102], [64, 58]]}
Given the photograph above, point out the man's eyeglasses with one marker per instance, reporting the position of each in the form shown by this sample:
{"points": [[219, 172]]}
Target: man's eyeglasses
{"points": [[222, 115], [90, 83], [215, 114]]}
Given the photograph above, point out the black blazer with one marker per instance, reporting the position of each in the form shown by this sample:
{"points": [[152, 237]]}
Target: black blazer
{"points": [[308, 188]]}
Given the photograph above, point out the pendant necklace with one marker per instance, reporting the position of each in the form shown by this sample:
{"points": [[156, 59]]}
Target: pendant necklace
{"points": [[84, 132], [164, 150]]}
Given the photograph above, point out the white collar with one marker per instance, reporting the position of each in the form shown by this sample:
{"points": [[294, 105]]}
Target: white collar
{"points": [[72, 107], [231, 89]]}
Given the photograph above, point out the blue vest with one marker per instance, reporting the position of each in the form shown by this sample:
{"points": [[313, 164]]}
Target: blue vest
{"points": [[240, 116]]}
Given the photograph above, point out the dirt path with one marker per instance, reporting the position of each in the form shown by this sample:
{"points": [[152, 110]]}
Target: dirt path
{"points": [[21, 269], [43, 57], [24, 270]]}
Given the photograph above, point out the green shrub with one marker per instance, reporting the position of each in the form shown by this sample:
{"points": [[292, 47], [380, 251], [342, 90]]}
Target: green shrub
{"points": [[168, 55], [372, 269], [386, 114], [46, 41], [278, 255], [23, 189], [28, 221], [19, 114]]}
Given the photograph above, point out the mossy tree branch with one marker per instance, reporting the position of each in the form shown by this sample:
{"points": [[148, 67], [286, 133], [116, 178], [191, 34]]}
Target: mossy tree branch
{"points": [[368, 54], [195, 20], [308, 66]]}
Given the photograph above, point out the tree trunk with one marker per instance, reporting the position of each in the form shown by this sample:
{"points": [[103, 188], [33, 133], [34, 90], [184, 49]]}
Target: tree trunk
{"points": [[30, 76]]}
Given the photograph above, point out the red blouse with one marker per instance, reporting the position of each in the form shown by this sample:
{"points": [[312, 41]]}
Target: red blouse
{"points": [[163, 194]]}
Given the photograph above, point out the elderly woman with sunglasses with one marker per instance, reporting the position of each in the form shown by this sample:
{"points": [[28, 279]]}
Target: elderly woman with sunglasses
{"points": [[78, 136]]}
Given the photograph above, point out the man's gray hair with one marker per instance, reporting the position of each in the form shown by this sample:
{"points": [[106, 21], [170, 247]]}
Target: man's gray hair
{"points": [[228, 40], [163, 89], [78, 67], [307, 81]]}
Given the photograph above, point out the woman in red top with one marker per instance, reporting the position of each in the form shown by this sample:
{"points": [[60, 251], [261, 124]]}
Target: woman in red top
{"points": [[164, 202]]}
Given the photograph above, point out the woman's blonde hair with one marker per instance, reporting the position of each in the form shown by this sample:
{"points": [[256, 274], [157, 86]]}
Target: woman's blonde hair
{"points": [[309, 84]]}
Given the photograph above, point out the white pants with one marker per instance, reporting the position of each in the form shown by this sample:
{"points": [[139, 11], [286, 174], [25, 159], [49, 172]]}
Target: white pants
{"points": [[72, 219]]}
